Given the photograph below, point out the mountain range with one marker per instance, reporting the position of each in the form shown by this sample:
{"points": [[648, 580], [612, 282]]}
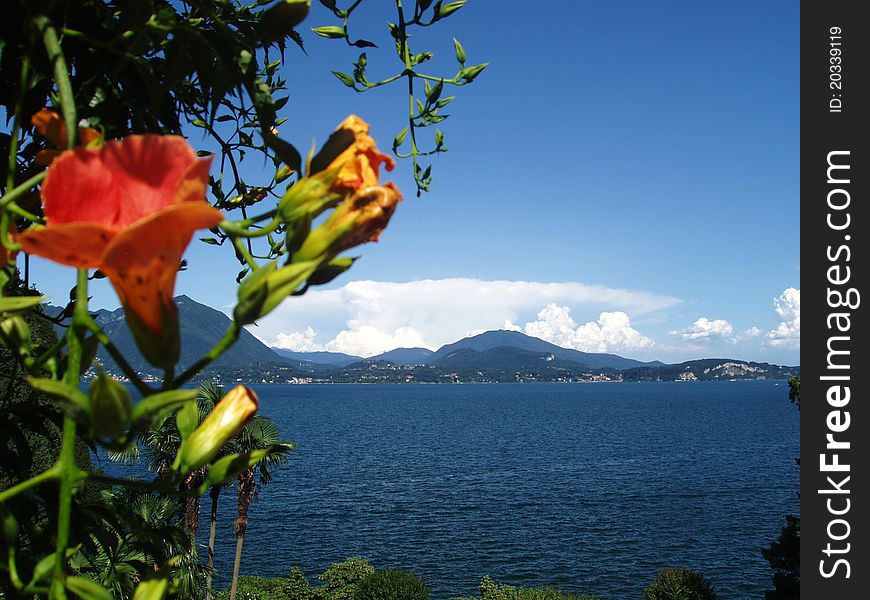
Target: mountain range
{"points": [[490, 356]]}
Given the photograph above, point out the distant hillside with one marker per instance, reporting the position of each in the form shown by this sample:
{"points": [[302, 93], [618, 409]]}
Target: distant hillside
{"points": [[708, 369], [514, 339], [406, 356], [201, 328], [334, 359], [493, 356]]}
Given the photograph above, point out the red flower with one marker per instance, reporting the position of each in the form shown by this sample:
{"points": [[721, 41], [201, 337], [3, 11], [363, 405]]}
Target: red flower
{"points": [[128, 208]]}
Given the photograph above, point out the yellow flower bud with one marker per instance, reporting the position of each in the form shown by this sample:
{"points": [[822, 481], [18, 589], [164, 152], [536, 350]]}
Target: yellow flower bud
{"points": [[230, 415]]}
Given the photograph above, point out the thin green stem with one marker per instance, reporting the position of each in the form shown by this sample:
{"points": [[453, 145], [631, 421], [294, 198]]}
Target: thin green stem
{"points": [[240, 228], [19, 107], [70, 474], [230, 336], [61, 76], [22, 188], [242, 249], [409, 73], [55, 348], [85, 38], [52, 474]]}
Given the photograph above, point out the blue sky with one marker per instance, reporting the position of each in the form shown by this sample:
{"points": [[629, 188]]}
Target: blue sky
{"points": [[623, 177]]}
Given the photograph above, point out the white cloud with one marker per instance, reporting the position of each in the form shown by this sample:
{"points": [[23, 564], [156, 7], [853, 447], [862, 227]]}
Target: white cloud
{"points": [[611, 332], [704, 329], [366, 340], [298, 341], [748, 334], [369, 317], [788, 306]]}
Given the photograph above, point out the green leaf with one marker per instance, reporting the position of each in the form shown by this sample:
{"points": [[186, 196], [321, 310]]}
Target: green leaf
{"points": [[210, 240], [345, 79], [151, 589], [87, 588], [285, 150], [365, 44], [187, 418], [330, 31], [156, 405], [448, 9], [18, 304], [199, 123], [58, 389], [43, 569], [460, 51], [329, 271]]}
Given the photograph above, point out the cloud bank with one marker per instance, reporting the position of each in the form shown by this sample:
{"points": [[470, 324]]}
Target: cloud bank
{"points": [[369, 317], [705, 329], [611, 332], [788, 307]]}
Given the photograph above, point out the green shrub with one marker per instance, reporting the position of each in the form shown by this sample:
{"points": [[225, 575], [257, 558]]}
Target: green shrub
{"points": [[490, 590], [784, 556], [680, 584], [392, 585], [297, 586], [343, 578], [252, 587]]}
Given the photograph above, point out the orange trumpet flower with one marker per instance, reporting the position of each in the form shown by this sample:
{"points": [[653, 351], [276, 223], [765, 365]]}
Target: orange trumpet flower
{"points": [[128, 208]]}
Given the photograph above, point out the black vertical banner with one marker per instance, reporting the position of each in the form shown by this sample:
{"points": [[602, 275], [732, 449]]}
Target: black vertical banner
{"points": [[835, 344]]}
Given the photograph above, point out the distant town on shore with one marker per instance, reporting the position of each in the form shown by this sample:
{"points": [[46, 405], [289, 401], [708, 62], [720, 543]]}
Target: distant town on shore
{"points": [[490, 357]]}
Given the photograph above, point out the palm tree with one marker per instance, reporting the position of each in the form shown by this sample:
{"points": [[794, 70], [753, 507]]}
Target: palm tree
{"points": [[259, 434], [209, 397], [161, 444]]}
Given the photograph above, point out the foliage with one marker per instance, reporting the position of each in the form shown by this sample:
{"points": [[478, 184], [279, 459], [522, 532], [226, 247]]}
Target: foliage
{"points": [[343, 579], [490, 590], [97, 177], [794, 390], [680, 584], [784, 557], [784, 553], [259, 588], [425, 105], [392, 585]]}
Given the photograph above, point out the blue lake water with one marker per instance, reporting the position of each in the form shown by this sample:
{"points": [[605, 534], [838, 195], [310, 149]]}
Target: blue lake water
{"points": [[586, 487]]}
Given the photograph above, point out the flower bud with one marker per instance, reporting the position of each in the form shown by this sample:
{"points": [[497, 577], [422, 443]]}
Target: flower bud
{"points": [[278, 20], [358, 220], [227, 418], [15, 333], [111, 406], [265, 289]]}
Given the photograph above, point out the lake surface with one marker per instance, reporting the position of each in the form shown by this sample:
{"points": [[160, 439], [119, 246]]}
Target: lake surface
{"points": [[586, 487]]}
